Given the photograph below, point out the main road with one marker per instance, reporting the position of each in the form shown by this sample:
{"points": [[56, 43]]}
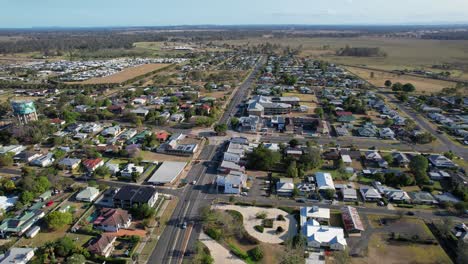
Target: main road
{"points": [[175, 241]]}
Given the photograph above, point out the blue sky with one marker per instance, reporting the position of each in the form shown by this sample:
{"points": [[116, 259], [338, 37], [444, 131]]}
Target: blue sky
{"points": [[89, 13]]}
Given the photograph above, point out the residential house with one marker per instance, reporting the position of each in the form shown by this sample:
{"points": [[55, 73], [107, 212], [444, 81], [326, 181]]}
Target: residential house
{"points": [[140, 111], [387, 133], [349, 194], [92, 164], [69, 163], [129, 195], [13, 149], [401, 159], [102, 246], [130, 169], [26, 156], [249, 123], [369, 194], [422, 198], [112, 220], [319, 236], [285, 187], [17, 255], [232, 183], [324, 181], [368, 130], [20, 223], [441, 161], [316, 213], [88, 194], [438, 175], [373, 156], [228, 166], [111, 131], [43, 161]]}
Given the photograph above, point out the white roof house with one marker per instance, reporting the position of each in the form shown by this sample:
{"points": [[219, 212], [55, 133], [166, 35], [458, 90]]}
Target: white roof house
{"points": [[317, 213], [130, 169], [88, 194], [285, 186], [167, 172], [17, 255], [324, 180], [370, 193], [324, 236], [7, 202], [346, 159]]}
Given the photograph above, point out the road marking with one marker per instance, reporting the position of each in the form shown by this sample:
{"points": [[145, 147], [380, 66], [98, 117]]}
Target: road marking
{"points": [[178, 232]]}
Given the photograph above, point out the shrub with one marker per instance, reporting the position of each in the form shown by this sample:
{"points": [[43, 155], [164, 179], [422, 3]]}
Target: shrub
{"points": [[259, 228], [268, 223], [256, 253], [279, 230], [280, 218], [214, 233], [238, 252], [261, 215]]}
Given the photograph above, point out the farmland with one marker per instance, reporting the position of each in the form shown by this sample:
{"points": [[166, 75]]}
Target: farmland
{"points": [[422, 84], [126, 74], [401, 53]]}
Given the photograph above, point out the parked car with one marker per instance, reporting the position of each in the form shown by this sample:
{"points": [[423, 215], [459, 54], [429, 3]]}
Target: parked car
{"points": [[243, 193], [184, 225]]}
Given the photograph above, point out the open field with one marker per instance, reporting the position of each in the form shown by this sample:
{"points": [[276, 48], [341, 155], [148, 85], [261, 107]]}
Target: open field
{"points": [[424, 85], [382, 250], [126, 74], [401, 53], [148, 155]]}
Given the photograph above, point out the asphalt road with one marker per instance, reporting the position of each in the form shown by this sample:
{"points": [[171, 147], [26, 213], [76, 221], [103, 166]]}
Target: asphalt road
{"points": [[241, 92], [171, 246], [448, 144]]}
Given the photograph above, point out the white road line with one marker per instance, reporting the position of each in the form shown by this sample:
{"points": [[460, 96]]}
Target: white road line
{"points": [[178, 233]]}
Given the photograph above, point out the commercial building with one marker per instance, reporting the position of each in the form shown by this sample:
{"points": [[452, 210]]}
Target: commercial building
{"points": [[167, 173], [24, 111]]}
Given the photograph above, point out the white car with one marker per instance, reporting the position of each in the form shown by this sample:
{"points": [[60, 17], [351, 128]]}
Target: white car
{"points": [[243, 193]]}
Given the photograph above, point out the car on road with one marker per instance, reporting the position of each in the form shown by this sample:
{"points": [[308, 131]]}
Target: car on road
{"points": [[184, 225], [194, 182], [243, 193], [300, 200], [409, 213]]}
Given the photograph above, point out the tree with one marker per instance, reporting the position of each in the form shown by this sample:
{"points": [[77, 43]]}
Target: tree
{"points": [[418, 166], [292, 170], [388, 83], [408, 87], [234, 122], [293, 143], [42, 184], [57, 219], [64, 246], [6, 160], [319, 112], [220, 129], [388, 158], [102, 171], [9, 185], [26, 197], [262, 158], [312, 158], [142, 212], [329, 194], [462, 251], [396, 87]]}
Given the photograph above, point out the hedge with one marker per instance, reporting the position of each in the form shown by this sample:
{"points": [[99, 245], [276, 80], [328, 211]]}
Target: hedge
{"points": [[214, 233], [238, 252], [259, 228]]}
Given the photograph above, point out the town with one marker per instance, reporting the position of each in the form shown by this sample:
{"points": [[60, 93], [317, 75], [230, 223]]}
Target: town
{"points": [[220, 154]]}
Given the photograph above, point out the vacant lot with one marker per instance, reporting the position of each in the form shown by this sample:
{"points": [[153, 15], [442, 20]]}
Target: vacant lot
{"points": [[382, 250], [126, 74], [422, 84]]}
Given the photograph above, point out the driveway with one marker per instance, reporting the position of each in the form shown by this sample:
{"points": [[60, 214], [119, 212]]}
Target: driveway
{"points": [[269, 234], [219, 253]]}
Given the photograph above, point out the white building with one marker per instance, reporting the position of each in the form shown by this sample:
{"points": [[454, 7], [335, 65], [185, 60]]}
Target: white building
{"points": [[233, 182], [17, 256], [324, 181]]}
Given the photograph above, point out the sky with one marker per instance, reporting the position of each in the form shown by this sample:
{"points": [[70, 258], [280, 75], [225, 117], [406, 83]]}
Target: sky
{"points": [[103, 13]]}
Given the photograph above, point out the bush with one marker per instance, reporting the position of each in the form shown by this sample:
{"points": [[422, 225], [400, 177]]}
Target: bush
{"points": [[256, 253], [259, 228], [279, 230], [280, 218], [261, 215], [268, 223], [214, 233], [238, 252], [427, 188]]}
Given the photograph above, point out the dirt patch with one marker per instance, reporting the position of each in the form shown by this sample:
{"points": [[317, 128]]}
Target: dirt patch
{"points": [[127, 232], [422, 84], [148, 155]]}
